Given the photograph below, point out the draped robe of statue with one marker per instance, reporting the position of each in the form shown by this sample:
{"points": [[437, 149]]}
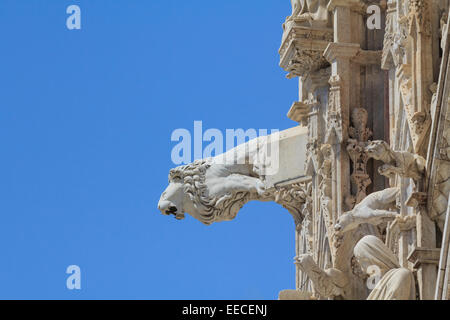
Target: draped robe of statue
{"points": [[396, 283]]}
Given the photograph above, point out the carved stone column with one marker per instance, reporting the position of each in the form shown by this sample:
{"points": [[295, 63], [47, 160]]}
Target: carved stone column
{"points": [[307, 112], [359, 134], [338, 114]]}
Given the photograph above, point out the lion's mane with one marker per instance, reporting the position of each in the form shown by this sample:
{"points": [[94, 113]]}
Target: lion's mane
{"points": [[210, 208]]}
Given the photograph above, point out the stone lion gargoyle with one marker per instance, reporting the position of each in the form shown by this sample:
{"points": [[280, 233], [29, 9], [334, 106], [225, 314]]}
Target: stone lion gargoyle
{"points": [[373, 209], [215, 189], [403, 163]]}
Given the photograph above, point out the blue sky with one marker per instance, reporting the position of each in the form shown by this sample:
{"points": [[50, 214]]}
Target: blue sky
{"points": [[85, 123]]}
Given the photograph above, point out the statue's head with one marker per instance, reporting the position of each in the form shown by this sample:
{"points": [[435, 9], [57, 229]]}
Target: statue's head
{"points": [[187, 193], [345, 223], [183, 195], [206, 198], [371, 251], [377, 149]]}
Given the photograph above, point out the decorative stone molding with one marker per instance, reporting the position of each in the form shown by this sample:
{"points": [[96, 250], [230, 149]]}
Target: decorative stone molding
{"points": [[420, 256], [418, 121], [438, 160], [302, 47], [367, 57], [356, 5], [333, 134], [325, 185], [300, 111], [419, 16], [395, 38], [296, 198], [341, 50]]}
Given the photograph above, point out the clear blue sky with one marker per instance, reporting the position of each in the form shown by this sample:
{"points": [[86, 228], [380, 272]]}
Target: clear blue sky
{"points": [[85, 123]]}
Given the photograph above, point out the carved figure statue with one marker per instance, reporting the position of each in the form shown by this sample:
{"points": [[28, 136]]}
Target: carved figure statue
{"points": [[310, 10], [328, 283], [403, 163], [394, 282], [373, 209]]}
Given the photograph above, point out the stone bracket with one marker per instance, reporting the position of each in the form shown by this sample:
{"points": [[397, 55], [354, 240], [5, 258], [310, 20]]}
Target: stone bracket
{"points": [[420, 256], [341, 50], [367, 57], [356, 5], [302, 47], [300, 112]]}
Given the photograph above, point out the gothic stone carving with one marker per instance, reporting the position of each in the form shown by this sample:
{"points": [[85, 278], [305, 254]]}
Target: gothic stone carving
{"points": [[403, 163], [209, 191], [215, 189], [327, 283], [373, 210], [325, 182], [296, 198], [395, 38], [334, 120], [302, 46], [355, 148]]}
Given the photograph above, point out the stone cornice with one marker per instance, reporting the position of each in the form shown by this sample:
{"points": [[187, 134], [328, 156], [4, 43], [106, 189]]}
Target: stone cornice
{"points": [[368, 57], [302, 47], [419, 256], [300, 111], [336, 50], [357, 4]]}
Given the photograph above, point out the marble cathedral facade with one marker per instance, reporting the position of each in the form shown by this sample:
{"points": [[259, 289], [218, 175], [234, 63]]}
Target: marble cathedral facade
{"points": [[359, 86], [372, 218]]}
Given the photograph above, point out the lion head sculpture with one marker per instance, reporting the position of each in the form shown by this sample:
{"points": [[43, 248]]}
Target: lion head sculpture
{"points": [[379, 150], [209, 191]]}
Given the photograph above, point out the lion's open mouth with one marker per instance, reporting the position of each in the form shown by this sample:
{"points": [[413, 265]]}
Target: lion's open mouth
{"points": [[172, 210]]}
